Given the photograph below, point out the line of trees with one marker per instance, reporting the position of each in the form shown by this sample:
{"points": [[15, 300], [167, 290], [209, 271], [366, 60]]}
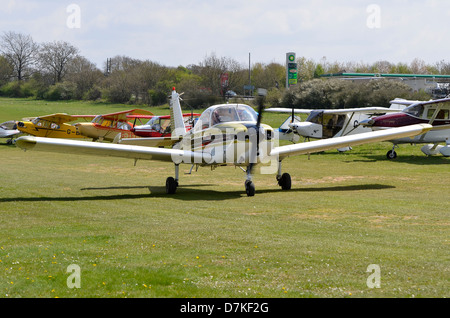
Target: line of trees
{"points": [[57, 71]]}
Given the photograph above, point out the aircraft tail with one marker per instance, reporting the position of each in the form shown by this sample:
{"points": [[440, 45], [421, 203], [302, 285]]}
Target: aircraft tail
{"points": [[176, 123], [287, 129]]}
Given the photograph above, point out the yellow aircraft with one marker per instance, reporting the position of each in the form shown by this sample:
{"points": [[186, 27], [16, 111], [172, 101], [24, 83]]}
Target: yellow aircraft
{"points": [[107, 127], [224, 135], [53, 126]]}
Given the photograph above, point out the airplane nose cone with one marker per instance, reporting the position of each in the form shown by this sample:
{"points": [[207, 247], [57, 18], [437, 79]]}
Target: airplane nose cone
{"points": [[304, 128]]}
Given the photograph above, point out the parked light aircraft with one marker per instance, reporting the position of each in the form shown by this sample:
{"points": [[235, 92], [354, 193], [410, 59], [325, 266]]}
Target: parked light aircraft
{"points": [[226, 134], [53, 126], [108, 126], [159, 126], [434, 112], [8, 129], [327, 123]]}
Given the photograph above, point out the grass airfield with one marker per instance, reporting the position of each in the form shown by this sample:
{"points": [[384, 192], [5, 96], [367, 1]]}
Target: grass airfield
{"points": [[345, 212]]}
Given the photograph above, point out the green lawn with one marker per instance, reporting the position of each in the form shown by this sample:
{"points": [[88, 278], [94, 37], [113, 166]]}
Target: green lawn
{"points": [[345, 212]]}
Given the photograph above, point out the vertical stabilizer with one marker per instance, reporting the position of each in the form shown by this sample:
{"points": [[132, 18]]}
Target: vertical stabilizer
{"points": [[176, 122]]}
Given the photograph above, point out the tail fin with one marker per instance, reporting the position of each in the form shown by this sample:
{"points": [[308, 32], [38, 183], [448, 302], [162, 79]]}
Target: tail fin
{"points": [[176, 123], [287, 129]]}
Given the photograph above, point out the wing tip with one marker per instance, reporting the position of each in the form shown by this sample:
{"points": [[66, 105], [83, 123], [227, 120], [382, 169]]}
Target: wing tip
{"points": [[26, 142]]}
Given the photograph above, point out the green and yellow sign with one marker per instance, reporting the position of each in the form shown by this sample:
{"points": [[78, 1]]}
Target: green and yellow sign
{"points": [[291, 70]]}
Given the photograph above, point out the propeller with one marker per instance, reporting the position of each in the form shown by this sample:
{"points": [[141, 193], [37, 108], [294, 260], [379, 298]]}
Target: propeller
{"points": [[258, 125]]}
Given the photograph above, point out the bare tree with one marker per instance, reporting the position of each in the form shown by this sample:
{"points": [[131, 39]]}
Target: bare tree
{"points": [[84, 74], [54, 57], [212, 71], [20, 51]]}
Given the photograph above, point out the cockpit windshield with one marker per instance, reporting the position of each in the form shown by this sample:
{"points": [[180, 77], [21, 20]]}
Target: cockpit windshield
{"points": [[227, 113], [152, 121], [414, 110], [316, 117]]}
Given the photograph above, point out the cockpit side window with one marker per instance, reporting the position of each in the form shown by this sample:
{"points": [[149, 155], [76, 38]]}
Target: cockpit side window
{"points": [[203, 121], [123, 125], [246, 113], [443, 114]]}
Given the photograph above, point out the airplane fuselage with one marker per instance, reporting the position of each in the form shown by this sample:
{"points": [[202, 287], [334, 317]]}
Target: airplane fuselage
{"points": [[440, 132], [43, 128], [104, 132]]}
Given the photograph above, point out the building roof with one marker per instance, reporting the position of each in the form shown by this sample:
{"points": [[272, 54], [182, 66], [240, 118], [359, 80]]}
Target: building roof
{"points": [[385, 75]]}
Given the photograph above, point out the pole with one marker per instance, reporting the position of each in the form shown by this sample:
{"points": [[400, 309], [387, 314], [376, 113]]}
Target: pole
{"points": [[249, 72]]}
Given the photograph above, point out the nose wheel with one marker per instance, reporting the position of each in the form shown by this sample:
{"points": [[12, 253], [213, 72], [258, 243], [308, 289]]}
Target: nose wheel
{"points": [[391, 154]]}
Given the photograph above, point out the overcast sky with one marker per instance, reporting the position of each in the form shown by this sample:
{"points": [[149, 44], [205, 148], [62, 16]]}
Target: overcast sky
{"points": [[183, 32]]}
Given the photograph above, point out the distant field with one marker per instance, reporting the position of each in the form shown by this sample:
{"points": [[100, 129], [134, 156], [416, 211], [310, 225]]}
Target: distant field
{"points": [[345, 212]]}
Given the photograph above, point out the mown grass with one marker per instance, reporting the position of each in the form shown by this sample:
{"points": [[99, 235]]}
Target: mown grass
{"points": [[114, 220]]}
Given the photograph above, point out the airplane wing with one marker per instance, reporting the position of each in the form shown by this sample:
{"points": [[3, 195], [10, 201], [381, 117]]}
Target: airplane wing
{"points": [[342, 111], [58, 118], [347, 141], [123, 115], [409, 103], [113, 150], [288, 110], [182, 156], [149, 142], [61, 118]]}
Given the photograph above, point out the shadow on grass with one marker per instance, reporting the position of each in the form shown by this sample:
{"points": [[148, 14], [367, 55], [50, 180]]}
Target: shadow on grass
{"points": [[411, 159], [189, 193]]}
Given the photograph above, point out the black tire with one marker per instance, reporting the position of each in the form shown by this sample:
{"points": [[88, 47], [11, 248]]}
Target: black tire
{"points": [[171, 185], [250, 188], [285, 181], [391, 154]]}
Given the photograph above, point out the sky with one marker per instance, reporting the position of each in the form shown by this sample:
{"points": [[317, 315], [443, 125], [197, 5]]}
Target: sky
{"points": [[176, 32]]}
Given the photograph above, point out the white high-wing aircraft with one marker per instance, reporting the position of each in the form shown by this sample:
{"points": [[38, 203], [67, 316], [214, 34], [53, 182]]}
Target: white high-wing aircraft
{"points": [[8, 129], [226, 134], [433, 112], [328, 123]]}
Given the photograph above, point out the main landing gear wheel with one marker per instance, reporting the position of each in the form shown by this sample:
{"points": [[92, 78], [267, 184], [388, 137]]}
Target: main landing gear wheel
{"points": [[171, 185], [249, 188], [285, 181], [391, 154]]}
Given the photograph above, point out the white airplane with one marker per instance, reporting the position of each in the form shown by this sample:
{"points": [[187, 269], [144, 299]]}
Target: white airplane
{"points": [[328, 123], [8, 129], [434, 112], [224, 135]]}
